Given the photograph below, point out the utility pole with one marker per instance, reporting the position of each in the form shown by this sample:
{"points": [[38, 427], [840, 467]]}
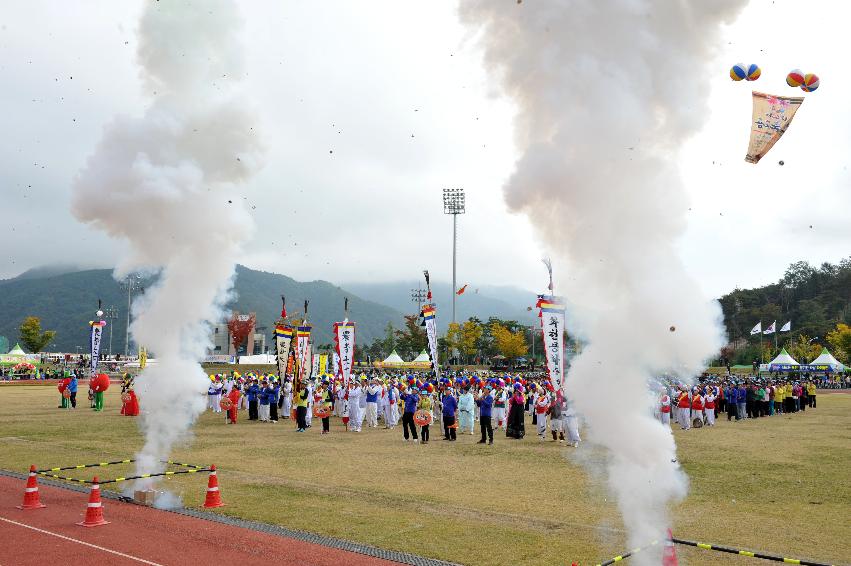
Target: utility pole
{"points": [[454, 204], [111, 314], [131, 283]]}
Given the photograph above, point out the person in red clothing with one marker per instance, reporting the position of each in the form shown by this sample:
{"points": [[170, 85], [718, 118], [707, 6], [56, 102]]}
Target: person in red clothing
{"points": [[665, 408], [697, 407], [234, 400], [129, 401], [683, 406], [709, 404]]}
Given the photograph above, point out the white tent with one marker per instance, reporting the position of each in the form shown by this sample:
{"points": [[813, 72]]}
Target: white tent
{"points": [[783, 358], [423, 357], [393, 358], [16, 351], [827, 358]]}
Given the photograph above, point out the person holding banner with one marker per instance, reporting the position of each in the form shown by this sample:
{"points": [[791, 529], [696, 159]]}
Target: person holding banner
{"points": [[286, 401], [355, 394]]}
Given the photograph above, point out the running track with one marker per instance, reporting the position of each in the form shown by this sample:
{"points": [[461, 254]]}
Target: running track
{"points": [[142, 535]]}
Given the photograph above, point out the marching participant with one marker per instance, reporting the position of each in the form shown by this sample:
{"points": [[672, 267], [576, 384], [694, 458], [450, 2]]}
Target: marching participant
{"points": [[665, 408], [425, 404], [263, 397], [391, 415], [234, 396], [287, 397], [696, 406], [450, 405], [485, 404], [572, 422], [411, 401], [557, 417], [541, 408], [355, 394], [301, 399], [499, 405], [709, 405], [466, 409], [326, 402], [684, 410], [372, 392]]}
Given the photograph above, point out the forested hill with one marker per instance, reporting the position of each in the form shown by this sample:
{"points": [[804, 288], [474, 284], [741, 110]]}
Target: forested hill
{"points": [[815, 299]]}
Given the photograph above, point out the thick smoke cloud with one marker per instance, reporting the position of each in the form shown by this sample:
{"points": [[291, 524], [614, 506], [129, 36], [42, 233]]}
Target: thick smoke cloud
{"points": [[606, 93], [167, 183]]}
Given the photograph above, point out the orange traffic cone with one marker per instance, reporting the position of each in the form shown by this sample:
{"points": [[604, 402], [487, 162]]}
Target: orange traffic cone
{"points": [[31, 500], [669, 554], [214, 497], [94, 510]]}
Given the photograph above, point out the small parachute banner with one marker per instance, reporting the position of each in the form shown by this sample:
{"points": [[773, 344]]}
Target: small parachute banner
{"points": [[771, 116]]}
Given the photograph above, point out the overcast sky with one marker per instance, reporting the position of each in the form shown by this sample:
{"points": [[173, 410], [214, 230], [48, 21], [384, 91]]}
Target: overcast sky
{"points": [[370, 109]]}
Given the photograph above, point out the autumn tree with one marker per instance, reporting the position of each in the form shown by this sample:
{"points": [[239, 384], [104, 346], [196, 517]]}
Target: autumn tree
{"points": [[31, 335], [412, 339], [240, 327], [804, 349], [510, 344], [840, 340]]}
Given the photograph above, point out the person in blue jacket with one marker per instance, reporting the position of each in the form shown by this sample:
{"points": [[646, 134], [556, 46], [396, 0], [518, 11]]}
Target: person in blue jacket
{"points": [[411, 400], [450, 405], [741, 401], [72, 387], [252, 391], [485, 403], [263, 397], [274, 391]]}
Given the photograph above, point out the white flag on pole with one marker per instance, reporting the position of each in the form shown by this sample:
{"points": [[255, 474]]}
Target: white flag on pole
{"points": [[786, 327], [756, 329], [770, 329]]}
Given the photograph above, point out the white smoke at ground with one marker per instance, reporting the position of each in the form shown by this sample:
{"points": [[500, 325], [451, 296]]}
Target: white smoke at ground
{"points": [[167, 182], [606, 92]]}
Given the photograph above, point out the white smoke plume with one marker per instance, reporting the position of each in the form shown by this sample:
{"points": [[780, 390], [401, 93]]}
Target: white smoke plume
{"points": [[166, 182], [606, 92]]}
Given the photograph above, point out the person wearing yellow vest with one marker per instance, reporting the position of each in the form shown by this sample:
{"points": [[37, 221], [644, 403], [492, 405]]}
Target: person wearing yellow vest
{"points": [[779, 395], [811, 393], [302, 396]]}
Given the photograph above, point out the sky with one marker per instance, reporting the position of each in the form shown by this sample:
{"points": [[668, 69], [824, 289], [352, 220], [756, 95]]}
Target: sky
{"points": [[369, 110]]}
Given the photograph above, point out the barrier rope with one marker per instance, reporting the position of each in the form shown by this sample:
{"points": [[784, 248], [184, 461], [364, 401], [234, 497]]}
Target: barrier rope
{"points": [[728, 550], [627, 554], [81, 466], [128, 478]]}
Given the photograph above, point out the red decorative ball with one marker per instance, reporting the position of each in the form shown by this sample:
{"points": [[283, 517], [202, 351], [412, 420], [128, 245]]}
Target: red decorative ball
{"points": [[100, 383]]}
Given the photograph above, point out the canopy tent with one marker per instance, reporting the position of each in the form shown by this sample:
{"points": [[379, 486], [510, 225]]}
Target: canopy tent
{"points": [[826, 358], [422, 358], [393, 358], [17, 351], [783, 358]]}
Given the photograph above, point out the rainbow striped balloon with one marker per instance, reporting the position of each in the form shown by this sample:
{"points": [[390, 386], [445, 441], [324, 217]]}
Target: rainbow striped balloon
{"points": [[739, 71], [795, 78], [753, 72], [811, 82]]}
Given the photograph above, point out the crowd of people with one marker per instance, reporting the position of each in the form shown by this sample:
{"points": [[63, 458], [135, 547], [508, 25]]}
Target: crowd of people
{"points": [[455, 403], [740, 398]]}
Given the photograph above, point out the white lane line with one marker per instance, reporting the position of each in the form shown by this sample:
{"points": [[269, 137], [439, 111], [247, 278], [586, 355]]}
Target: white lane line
{"points": [[143, 561]]}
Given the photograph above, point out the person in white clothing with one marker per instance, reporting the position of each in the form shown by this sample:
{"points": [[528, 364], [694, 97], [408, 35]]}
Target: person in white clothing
{"points": [[709, 407], [391, 410], [362, 403], [499, 406], [217, 395], [355, 393], [572, 423], [287, 398], [373, 391], [665, 408], [466, 408]]}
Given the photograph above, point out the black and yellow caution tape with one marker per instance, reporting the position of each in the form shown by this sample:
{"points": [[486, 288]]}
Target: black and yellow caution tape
{"points": [[81, 466], [128, 478], [182, 465], [627, 554], [749, 553]]}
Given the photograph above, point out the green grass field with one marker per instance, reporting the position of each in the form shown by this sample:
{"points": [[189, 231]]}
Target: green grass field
{"points": [[780, 485]]}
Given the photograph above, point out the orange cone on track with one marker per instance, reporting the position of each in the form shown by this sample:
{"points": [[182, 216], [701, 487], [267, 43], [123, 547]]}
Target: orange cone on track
{"points": [[31, 500], [214, 497], [669, 554], [94, 509]]}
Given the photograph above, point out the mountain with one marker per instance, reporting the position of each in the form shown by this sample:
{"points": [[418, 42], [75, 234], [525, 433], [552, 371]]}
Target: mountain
{"points": [[66, 302], [508, 303]]}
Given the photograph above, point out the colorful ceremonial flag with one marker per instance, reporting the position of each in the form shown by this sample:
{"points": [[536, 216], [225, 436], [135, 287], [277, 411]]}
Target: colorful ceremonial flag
{"points": [[323, 364], [344, 346], [786, 327], [461, 290], [428, 313], [756, 329], [551, 314], [302, 351], [315, 368], [771, 116], [283, 341], [771, 328], [143, 357]]}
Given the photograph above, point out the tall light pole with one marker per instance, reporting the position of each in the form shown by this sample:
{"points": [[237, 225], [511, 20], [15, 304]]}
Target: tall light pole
{"points": [[418, 296], [131, 283], [454, 204], [110, 313]]}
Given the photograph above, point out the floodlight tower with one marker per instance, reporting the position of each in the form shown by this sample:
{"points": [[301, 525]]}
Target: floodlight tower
{"points": [[454, 204], [111, 314], [131, 283]]}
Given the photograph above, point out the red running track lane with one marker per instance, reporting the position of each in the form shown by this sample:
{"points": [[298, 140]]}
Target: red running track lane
{"points": [[141, 535]]}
